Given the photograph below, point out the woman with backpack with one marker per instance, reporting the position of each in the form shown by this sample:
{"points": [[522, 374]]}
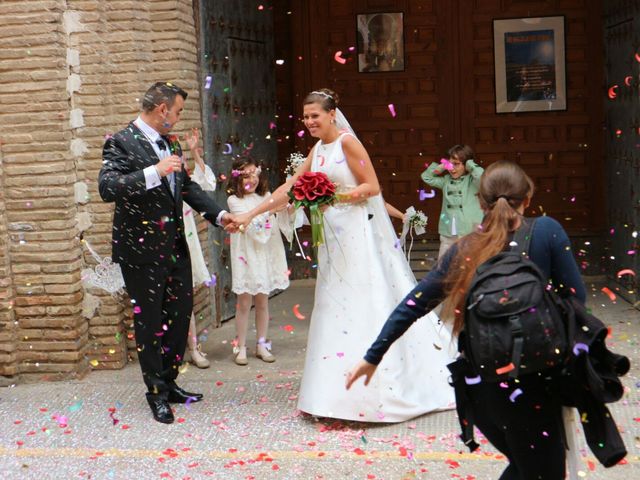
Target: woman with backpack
{"points": [[520, 416]]}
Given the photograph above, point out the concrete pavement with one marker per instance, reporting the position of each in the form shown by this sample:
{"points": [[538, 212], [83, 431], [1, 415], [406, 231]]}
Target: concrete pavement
{"points": [[247, 427]]}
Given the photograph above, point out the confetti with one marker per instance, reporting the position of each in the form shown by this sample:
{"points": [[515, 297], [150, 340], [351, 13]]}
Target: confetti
{"points": [[337, 57], [612, 92], [473, 380], [626, 271], [606, 291], [296, 312], [446, 164], [505, 369], [516, 393], [228, 149], [392, 110], [578, 347], [207, 82], [424, 195]]}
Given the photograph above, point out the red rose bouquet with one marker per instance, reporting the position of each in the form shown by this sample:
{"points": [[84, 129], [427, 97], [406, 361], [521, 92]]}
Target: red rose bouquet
{"points": [[314, 190]]}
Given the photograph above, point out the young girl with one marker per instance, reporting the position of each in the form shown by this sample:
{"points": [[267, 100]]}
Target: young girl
{"points": [[204, 177], [459, 183], [527, 431], [258, 262]]}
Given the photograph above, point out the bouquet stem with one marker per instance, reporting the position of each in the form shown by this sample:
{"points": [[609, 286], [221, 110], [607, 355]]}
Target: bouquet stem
{"points": [[317, 225]]}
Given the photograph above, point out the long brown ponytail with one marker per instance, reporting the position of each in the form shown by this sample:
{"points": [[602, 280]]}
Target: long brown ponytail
{"points": [[504, 186]]}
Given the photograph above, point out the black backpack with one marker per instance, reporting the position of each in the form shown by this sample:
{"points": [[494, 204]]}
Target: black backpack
{"points": [[514, 322]]}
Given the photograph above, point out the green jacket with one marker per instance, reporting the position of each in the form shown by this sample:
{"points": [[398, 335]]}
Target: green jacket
{"points": [[459, 198]]}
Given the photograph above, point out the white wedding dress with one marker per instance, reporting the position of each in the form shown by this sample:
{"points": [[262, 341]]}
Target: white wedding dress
{"points": [[362, 276]]}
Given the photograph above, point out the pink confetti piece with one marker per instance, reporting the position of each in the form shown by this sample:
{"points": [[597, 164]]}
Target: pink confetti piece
{"points": [[626, 271], [337, 57], [244, 260], [411, 303], [340, 354], [515, 394], [446, 164], [422, 195], [272, 125], [296, 312], [137, 309], [392, 110], [301, 133]]}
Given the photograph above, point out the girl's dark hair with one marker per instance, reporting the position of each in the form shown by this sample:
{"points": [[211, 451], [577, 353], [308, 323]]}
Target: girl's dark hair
{"points": [[235, 182], [504, 186], [461, 152], [328, 99]]}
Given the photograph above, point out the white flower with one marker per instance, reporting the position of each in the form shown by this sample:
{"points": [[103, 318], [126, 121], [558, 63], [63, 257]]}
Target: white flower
{"points": [[293, 162]]}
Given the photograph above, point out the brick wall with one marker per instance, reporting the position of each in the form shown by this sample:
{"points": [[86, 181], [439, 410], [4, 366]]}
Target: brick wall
{"points": [[72, 72]]}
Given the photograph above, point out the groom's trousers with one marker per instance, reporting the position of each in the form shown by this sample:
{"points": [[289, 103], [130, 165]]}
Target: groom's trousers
{"points": [[161, 294]]}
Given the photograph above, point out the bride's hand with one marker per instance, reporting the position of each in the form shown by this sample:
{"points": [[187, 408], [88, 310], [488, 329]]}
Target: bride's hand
{"points": [[242, 221], [361, 368]]}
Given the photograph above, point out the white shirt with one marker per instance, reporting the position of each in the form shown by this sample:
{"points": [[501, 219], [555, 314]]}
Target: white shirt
{"points": [[151, 176]]}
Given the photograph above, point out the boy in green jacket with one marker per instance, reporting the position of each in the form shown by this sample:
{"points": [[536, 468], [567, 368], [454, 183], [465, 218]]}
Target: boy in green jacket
{"points": [[459, 179]]}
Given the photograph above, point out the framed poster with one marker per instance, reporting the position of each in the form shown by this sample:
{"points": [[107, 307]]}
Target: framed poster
{"points": [[380, 42], [529, 61]]}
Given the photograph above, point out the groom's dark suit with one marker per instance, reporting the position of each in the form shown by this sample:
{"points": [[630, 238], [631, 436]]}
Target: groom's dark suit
{"points": [[150, 246]]}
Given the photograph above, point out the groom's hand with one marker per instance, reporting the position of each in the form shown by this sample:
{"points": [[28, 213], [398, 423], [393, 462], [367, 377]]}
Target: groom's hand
{"points": [[169, 165], [229, 223], [362, 368]]}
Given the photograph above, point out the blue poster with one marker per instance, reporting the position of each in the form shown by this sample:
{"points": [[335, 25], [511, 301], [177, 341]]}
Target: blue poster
{"points": [[530, 65]]}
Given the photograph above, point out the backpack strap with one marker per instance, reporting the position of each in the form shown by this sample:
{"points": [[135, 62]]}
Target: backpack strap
{"points": [[522, 236], [522, 240]]}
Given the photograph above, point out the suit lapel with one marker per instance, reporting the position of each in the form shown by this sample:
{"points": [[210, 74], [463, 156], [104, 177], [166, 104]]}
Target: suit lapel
{"points": [[144, 142]]}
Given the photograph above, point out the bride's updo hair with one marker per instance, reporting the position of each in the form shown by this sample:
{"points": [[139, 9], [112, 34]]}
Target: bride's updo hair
{"points": [[327, 99]]}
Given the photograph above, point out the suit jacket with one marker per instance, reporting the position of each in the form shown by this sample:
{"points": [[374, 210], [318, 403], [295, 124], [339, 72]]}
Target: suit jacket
{"points": [[146, 223]]}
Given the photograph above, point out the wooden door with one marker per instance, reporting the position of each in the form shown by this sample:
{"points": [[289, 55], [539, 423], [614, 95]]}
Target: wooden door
{"points": [[237, 60], [561, 150], [446, 95], [399, 146]]}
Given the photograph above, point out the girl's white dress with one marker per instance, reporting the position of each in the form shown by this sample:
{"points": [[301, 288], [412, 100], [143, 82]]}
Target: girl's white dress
{"points": [[258, 260], [362, 276], [199, 271]]}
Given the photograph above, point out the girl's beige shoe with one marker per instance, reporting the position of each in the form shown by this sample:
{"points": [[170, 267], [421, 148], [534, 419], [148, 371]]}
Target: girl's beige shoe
{"points": [[241, 355], [198, 358], [263, 351]]}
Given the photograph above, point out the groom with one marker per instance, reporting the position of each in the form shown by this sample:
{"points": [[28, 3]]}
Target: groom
{"points": [[143, 173]]}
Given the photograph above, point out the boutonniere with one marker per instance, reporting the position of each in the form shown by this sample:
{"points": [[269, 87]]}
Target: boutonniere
{"points": [[174, 144]]}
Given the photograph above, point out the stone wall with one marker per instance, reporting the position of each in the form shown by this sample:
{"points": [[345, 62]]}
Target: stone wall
{"points": [[72, 72]]}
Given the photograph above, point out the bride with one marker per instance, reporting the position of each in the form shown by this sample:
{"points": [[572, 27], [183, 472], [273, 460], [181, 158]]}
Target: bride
{"points": [[362, 276]]}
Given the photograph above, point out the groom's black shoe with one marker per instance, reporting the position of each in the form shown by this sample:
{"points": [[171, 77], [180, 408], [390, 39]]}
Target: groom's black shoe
{"points": [[178, 395], [160, 408]]}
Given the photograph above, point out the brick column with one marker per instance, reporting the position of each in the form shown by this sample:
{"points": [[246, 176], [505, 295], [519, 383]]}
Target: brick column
{"points": [[74, 72]]}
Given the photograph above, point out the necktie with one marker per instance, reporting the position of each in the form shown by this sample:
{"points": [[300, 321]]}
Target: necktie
{"points": [[164, 152]]}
